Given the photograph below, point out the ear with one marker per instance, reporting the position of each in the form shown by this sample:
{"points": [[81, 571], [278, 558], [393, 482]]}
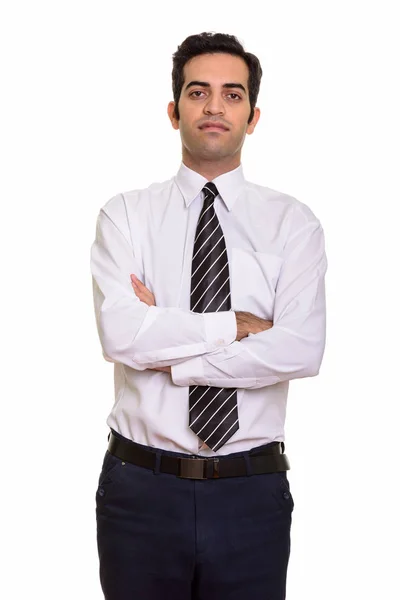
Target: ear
{"points": [[173, 119], [251, 126]]}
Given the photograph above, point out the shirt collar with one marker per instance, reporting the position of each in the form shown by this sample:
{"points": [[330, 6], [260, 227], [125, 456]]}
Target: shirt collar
{"points": [[229, 184]]}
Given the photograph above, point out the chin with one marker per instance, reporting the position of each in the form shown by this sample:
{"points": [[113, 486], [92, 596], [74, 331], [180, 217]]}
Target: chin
{"points": [[212, 153]]}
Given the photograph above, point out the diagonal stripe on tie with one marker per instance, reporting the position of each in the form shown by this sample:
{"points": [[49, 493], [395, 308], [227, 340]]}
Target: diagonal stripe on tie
{"points": [[221, 274], [210, 272], [213, 412]]}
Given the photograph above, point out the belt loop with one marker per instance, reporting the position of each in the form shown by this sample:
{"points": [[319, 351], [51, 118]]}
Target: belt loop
{"points": [[157, 465], [283, 447], [248, 464]]}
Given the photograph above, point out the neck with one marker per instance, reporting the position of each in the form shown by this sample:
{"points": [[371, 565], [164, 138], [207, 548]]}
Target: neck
{"points": [[210, 169]]}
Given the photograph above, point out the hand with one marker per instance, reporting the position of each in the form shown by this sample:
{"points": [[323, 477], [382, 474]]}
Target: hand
{"points": [[165, 369], [142, 292], [249, 323], [146, 296]]}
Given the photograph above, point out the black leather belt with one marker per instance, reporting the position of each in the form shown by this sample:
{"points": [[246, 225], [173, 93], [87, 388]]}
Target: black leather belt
{"points": [[266, 460]]}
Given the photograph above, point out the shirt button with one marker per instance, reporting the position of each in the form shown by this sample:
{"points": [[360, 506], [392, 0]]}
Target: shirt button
{"points": [[286, 495], [220, 342]]}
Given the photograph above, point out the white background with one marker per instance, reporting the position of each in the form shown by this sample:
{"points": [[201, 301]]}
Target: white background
{"points": [[85, 86]]}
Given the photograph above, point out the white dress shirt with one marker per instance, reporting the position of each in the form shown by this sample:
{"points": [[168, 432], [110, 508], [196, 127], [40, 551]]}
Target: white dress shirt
{"points": [[277, 265]]}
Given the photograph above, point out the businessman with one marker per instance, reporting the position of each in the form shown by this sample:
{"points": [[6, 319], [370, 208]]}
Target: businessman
{"points": [[209, 298]]}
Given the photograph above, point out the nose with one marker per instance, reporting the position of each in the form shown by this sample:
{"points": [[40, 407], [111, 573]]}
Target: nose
{"points": [[214, 106]]}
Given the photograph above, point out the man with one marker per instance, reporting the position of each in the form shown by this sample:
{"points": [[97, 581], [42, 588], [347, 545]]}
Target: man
{"points": [[209, 298]]}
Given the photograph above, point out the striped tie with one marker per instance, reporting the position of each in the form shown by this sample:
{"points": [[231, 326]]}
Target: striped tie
{"points": [[213, 412]]}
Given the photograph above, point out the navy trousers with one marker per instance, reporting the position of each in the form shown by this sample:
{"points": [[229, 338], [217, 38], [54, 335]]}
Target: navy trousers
{"points": [[161, 537]]}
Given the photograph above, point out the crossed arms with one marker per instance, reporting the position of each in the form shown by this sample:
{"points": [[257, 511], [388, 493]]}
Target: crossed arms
{"points": [[207, 348], [245, 322]]}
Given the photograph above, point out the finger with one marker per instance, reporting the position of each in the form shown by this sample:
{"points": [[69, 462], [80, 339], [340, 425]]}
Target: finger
{"points": [[146, 297], [142, 291], [140, 288], [137, 285], [135, 288], [137, 281]]}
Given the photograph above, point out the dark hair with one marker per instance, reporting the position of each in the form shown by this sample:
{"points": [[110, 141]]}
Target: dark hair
{"points": [[211, 43]]}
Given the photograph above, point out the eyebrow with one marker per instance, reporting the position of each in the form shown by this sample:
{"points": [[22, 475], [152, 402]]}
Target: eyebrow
{"points": [[205, 84]]}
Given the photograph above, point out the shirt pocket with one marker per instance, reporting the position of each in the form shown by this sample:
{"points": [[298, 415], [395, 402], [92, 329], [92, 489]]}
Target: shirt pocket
{"points": [[253, 278]]}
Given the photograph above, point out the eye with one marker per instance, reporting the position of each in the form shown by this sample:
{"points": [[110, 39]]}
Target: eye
{"points": [[234, 94], [196, 92]]}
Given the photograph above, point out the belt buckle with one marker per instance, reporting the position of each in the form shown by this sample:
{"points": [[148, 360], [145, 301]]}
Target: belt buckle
{"points": [[192, 468], [196, 468]]}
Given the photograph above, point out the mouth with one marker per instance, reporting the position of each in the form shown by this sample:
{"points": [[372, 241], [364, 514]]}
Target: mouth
{"points": [[213, 127]]}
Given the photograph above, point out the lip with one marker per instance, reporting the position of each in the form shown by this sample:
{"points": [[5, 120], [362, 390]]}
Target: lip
{"points": [[213, 127], [219, 129]]}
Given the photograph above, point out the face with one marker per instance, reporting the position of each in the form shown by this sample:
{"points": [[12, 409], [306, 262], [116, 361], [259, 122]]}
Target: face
{"points": [[214, 107]]}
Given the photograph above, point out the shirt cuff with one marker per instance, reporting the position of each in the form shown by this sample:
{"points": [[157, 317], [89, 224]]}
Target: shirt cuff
{"points": [[220, 328], [188, 372]]}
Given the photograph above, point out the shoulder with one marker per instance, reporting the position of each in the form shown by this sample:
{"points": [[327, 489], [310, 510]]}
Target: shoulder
{"points": [[125, 203], [290, 206]]}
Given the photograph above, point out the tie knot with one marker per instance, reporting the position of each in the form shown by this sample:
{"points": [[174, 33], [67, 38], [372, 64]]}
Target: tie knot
{"points": [[210, 190]]}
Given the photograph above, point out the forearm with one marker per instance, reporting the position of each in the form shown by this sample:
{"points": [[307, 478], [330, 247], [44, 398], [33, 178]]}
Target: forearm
{"points": [[164, 337], [257, 361], [133, 333], [293, 348]]}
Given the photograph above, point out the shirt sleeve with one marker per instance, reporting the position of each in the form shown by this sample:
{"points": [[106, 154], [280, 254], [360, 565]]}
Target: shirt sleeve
{"points": [[293, 348], [130, 331]]}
